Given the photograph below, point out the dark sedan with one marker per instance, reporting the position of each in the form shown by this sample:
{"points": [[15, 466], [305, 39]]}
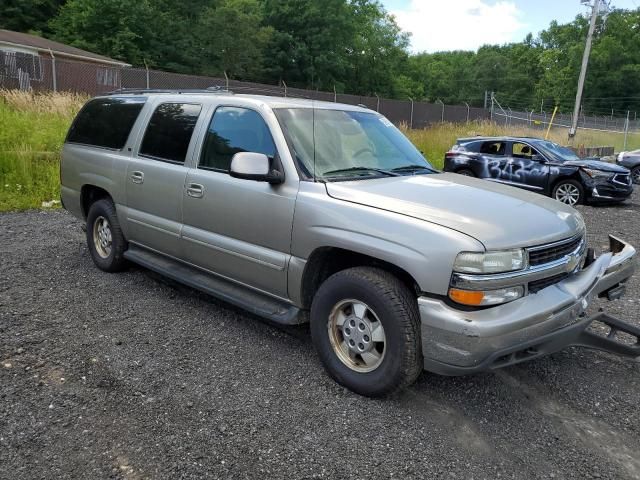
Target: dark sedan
{"points": [[631, 160], [540, 166]]}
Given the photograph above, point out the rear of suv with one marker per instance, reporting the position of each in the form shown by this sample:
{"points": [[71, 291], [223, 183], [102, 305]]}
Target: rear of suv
{"points": [[311, 211]]}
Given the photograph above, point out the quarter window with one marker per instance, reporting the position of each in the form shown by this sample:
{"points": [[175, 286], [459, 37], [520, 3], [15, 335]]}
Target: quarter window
{"points": [[233, 130], [106, 122], [169, 131]]}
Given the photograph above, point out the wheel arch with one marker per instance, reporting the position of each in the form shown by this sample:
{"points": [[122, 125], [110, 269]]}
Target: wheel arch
{"points": [[90, 194], [325, 261]]}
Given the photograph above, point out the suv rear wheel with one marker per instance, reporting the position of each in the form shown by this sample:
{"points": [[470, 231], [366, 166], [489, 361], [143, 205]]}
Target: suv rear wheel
{"points": [[365, 326], [104, 236]]}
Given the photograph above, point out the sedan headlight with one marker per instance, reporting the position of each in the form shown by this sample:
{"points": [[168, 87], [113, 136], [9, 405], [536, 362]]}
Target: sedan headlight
{"points": [[596, 173], [490, 262]]}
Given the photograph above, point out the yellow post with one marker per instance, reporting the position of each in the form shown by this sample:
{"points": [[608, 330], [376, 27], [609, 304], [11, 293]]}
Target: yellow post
{"points": [[551, 122]]}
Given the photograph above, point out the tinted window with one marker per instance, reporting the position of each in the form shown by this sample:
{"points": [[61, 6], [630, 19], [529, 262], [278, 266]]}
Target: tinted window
{"points": [[493, 148], [169, 131], [106, 122], [234, 130]]}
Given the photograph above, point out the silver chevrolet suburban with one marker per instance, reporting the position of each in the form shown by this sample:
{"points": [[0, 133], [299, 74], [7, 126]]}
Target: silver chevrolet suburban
{"points": [[302, 211]]}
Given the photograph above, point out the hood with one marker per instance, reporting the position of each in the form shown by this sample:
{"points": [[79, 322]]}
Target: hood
{"points": [[496, 215], [597, 165]]}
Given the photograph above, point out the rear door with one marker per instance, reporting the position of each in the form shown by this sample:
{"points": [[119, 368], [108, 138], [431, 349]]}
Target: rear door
{"points": [[156, 176], [494, 159], [525, 168]]}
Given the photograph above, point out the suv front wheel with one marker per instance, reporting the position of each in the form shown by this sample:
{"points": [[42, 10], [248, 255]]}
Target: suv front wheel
{"points": [[365, 326], [104, 236]]}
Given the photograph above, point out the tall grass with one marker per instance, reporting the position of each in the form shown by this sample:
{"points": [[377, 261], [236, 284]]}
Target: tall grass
{"points": [[32, 130], [33, 126]]}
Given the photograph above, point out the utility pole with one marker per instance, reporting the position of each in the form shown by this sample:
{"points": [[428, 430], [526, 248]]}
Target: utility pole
{"points": [[595, 9]]}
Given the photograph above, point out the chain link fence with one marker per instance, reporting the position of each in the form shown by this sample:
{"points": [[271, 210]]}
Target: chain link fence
{"points": [[47, 73]]}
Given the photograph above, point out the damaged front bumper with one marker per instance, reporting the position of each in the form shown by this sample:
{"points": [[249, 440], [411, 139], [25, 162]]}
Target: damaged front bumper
{"points": [[456, 342]]}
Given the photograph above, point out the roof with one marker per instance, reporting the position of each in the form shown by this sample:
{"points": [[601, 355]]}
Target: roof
{"points": [[45, 46], [505, 138], [270, 101]]}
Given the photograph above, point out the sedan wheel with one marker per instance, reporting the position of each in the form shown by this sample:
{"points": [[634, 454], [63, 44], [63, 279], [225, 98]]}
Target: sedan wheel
{"points": [[635, 175], [568, 193]]}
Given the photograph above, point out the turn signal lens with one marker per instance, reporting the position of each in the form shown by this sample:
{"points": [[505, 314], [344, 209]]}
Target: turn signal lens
{"points": [[476, 298]]}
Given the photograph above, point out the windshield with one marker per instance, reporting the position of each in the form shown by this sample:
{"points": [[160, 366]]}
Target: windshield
{"points": [[560, 153], [348, 144]]}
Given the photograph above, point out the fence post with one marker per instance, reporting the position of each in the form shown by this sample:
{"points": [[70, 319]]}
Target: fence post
{"points": [[626, 130], [54, 75], [377, 102], [468, 110], [335, 94], [226, 79], [509, 117], [492, 99], [146, 68], [530, 118], [442, 115], [411, 115], [285, 88]]}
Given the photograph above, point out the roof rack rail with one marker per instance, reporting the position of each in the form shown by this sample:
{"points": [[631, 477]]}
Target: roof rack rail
{"points": [[141, 91]]}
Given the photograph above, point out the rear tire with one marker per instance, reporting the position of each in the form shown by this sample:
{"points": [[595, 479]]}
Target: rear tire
{"points": [[568, 192], [466, 172], [365, 327], [104, 236]]}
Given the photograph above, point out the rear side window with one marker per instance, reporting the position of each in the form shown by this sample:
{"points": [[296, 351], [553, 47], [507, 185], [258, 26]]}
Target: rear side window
{"points": [[106, 122], [493, 148], [234, 130], [169, 131]]}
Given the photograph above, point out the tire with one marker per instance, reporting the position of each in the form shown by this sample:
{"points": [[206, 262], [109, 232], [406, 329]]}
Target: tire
{"points": [[104, 236], [568, 192], [466, 172], [388, 304], [635, 175]]}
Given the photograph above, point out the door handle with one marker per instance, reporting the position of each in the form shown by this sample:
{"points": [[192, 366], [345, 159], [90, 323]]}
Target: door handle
{"points": [[137, 177], [195, 190]]}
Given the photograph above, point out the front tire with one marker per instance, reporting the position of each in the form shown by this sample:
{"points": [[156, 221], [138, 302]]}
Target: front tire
{"points": [[635, 175], [568, 192], [365, 327], [104, 236]]}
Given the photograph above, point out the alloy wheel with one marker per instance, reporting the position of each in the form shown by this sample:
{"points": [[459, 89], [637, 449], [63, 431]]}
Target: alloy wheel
{"points": [[102, 238], [357, 336], [568, 194]]}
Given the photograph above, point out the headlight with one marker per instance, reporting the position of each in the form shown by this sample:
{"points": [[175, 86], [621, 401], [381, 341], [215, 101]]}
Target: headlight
{"points": [[490, 262], [596, 173], [476, 298]]}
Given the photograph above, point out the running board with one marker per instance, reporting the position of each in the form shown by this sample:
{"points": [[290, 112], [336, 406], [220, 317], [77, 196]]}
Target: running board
{"points": [[255, 302]]}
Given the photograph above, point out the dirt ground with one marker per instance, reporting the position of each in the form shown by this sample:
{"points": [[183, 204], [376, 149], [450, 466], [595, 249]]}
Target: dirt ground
{"points": [[131, 376]]}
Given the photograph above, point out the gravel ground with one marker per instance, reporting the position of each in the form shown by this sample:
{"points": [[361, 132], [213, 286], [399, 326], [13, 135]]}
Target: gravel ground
{"points": [[130, 376]]}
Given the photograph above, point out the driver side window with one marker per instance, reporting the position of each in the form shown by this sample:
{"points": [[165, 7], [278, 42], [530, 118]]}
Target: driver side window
{"points": [[522, 150], [233, 130]]}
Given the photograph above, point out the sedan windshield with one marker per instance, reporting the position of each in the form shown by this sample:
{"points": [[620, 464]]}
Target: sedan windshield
{"points": [[331, 145], [561, 154]]}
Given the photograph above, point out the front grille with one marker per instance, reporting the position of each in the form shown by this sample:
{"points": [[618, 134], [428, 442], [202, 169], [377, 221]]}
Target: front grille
{"points": [[552, 253], [546, 282], [622, 178]]}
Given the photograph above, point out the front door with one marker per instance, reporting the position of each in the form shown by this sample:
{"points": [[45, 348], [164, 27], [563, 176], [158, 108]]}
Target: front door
{"points": [[525, 168], [156, 177], [240, 229]]}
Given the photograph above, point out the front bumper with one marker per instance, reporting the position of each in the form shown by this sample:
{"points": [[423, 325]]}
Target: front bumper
{"points": [[456, 342], [606, 190]]}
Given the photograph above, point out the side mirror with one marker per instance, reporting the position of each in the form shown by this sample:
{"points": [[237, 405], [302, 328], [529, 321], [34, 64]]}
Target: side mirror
{"points": [[538, 158], [254, 166]]}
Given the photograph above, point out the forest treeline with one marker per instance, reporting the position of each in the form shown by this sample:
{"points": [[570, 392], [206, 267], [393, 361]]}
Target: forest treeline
{"points": [[352, 45]]}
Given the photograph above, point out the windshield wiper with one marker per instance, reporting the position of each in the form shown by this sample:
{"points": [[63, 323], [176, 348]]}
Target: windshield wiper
{"points": [[413, 168], [362, 169]]}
